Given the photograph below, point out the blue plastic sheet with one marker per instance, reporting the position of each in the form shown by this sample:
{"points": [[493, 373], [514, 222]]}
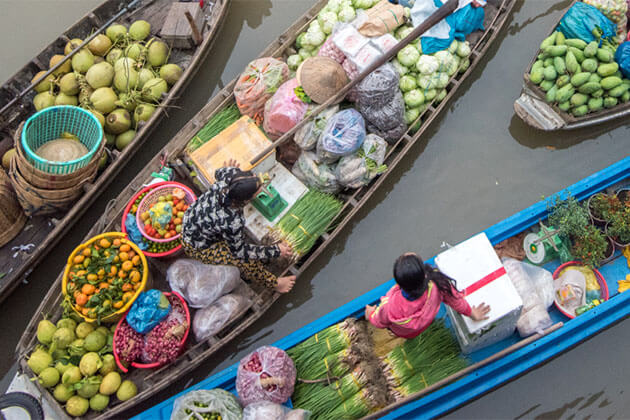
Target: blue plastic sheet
{"points": [[148, 310], [463, 22], [581, 19], [134, 233], [622, 57]]}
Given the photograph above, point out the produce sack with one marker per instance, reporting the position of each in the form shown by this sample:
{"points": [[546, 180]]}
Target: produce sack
{"points": [[330, 50], [267, 374], [622, 57], [201, 284], [306, 137], [284, 110], [382, 18], [359, 169], [263, 410], [615, 10], [580, 21], [257, 84], [379, 87], [315, 174], [391, 136], [209, 320], [386, 116], [343, 135], [195, 404], [148, 310]]}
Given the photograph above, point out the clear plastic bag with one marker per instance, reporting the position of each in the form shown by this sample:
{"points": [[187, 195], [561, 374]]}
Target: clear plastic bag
{"points": [[379, 87], [315, 174], [306, 137], [543, 282], [614, 10], [209, 320], [265, 410], [214, 401], [387, 116], [267, 374], [284, 110], [330, 50], [201, 284], [257, 84], [343, 135], [359, 169]]}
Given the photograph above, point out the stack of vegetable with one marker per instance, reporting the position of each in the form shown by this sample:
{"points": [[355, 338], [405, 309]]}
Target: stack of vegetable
{"points": [[579, 77], [121, 77], [74, 361]]}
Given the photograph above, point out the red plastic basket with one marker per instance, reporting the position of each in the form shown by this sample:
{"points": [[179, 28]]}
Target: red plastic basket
{"points": [[600, 279], [152, 198], [150, 365], [127, 211]]}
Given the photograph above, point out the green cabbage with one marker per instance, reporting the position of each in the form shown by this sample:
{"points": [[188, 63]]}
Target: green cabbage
{"points": [[413, 98], [402, 32], [445, 59], [314, 37], [408, 56], [298, 40], [464, 64], [334, 5], [453, 47], [411, 114], [294, 61], [407, 83], [430, 94], [463, 49], [327, 21], [441, 95], [346, 14], [305, 53], [402, 70], [427, 64]]}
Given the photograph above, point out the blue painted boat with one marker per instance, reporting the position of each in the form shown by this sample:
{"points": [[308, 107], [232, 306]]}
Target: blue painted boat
{"points": [[492, 366]]}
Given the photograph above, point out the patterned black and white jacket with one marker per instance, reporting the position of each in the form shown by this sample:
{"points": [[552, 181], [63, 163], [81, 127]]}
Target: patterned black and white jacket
{"points": [[210, 220]]}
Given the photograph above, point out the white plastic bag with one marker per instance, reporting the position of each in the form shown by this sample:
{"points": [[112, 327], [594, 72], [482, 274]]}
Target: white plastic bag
{"points": [[359, 169], [266, 410], [215, 401], [306, 137], [201, 284], [209, 320], [543, 282]]}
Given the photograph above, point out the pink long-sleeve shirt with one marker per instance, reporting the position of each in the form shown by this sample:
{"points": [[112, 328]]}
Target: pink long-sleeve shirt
{"points": [[408, 318]]}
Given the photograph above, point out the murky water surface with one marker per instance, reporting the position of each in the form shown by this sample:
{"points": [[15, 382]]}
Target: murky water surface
{"points": [[477, 165]]}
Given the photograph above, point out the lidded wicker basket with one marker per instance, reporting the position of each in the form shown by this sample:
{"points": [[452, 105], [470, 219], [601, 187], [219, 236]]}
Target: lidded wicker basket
{"points": [[12, 218]]}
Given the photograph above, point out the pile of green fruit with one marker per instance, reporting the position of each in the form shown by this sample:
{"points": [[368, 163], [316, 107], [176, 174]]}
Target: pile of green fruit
{"points": [[120, 76], [74, 361], [579, 77]]}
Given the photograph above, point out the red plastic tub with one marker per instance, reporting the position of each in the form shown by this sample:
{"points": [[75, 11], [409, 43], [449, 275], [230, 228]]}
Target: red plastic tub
{"points": [[600, 279]]}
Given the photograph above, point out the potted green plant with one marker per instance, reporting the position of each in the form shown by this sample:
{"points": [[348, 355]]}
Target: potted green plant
{"points": [[569, 217], [591, 247], [618, 228], [624, 195], [602, 206]]}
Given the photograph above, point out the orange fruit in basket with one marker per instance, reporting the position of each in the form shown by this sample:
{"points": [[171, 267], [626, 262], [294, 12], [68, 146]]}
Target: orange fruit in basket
{"points": [[131, 254], [81, 299], [122, 274], [134, 276], [113, 270], [127, 296], [136, 260], [75, 294], [103, 285], [127, 266], [101, 272], [118, 305], [104, 243], [78, 259], [123, 256], [86, 252], [127, 287], [92, 277], [85, 311], [88, 289], [125, 248]]}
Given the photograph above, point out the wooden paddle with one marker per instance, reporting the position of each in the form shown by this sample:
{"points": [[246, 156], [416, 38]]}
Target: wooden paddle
{"points": [[446, 9]]}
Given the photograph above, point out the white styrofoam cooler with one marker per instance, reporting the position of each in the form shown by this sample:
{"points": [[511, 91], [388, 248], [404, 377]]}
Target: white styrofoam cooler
{"points": [[474, 264]]}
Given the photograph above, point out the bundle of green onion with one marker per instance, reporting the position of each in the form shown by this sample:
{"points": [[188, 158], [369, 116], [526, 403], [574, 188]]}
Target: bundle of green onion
{"points": [[219, 122], [368, 399], [307, 220]]}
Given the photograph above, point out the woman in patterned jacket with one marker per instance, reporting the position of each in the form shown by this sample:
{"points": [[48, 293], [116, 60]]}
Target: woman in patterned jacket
{"points": [[213, 229]]}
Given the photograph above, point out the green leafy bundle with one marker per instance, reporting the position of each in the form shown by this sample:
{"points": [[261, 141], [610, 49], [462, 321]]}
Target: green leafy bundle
{"points": [[219, 122]]}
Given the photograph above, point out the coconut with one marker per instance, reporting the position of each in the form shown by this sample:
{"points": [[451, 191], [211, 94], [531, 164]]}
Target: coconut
{"points": [[45, 328], [89, 386], [83, 329], [171, 73], [99, 402], [143, 113], [48, 377], [77, 406], [127, 101], [59, 354], [135, 50], [43, 100], [118, 121], [98, 59], [123, 140], [77, 347], [90, 363], [109, 362], [126, 391], [62, 337], [100, 45], [126, 80], [110, 139], [100, 75], [63, 367], [111, 383], [62, 393], [63, 99], [82, 61], [102, 163], [95, 341], [157, 53], [39, 360], [144, 75], [45, 84], [154, 88], [114, 55], [6, 158], [115, 32], [100, 117], [103, 100], [67, 323], [124, 63], [71, 45], [66, 67], [71, 376], [69, 84], [139, 30]]}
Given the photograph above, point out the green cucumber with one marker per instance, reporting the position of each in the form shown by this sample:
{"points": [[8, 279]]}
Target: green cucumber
{"points": [[550, 97], [579, 54], [595, 104], [536, 76], [565, 106], [610, 82], [591, 49], [608, 69], [580, 111], [548, 62], [563, 80], [580, 78], [594, 78], [560, 38], [598, 93], [604, 55], [559, 65], [571, 62], [618, 91], [550, 73], [626, 96], [546, 85], [579, 99], [590, 65], [556, 50], [589, 87], [564, 93], [576, 43], [610, 102]]}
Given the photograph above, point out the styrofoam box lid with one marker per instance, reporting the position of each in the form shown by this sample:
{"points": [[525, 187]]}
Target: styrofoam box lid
{"points": [[469, 262]]}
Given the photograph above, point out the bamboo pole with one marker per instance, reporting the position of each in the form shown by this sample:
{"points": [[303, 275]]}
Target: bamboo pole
{"points": [[446, 9], [463, 372]]}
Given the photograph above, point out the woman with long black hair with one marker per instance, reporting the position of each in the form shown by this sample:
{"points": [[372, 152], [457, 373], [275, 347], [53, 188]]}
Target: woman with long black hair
{"points": [[411, 306], [213, 229]]}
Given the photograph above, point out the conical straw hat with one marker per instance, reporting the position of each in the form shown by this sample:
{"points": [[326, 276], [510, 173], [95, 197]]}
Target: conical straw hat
{"points": [[321, 78]]}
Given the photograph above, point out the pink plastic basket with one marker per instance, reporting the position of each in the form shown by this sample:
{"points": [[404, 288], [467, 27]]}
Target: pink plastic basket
{"points": [[600, 279], [152, 198]]}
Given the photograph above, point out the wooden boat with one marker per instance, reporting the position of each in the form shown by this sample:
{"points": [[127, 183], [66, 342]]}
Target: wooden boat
{"points": [[151, 381], [491, 366], [41, 233], [532, 108]]}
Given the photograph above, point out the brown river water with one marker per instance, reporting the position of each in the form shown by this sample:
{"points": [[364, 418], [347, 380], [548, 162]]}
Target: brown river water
{"points": [[477, 165]]}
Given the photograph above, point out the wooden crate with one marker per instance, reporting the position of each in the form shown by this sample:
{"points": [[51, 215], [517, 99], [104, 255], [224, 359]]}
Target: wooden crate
{"points": [[176, 30]]}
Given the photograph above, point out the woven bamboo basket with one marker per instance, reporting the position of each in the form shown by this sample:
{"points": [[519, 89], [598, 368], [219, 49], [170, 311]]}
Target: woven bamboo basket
{"points": [[12, 217], [54, 194]]}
